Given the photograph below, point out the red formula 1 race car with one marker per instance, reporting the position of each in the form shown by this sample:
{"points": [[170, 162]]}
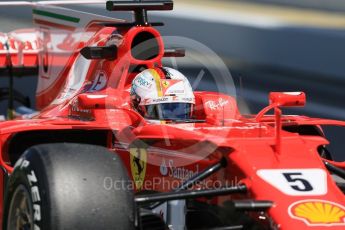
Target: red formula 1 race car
{"points": [[121, 142]]}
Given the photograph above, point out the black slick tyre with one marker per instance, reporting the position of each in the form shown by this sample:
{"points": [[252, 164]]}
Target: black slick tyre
{"points": [[62, 186]]}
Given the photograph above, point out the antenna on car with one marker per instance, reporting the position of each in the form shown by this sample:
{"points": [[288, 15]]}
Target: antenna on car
{"points": [[10, 107], [140, 9]]}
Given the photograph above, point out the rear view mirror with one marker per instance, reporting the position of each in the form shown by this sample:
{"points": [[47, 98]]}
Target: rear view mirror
{"points": [[288, 99], [100, 52], [175, 52]]}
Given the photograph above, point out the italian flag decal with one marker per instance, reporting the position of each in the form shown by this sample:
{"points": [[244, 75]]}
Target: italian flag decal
{"points": [[66, 19], [55, 20]]}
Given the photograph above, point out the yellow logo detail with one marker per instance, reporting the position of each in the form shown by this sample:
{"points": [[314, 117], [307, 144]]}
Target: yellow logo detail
{"points": [[318, 212], [165, 84], [138, 159]]}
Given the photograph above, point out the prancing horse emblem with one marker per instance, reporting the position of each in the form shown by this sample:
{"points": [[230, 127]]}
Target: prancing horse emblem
{"points": [[138, 158]]}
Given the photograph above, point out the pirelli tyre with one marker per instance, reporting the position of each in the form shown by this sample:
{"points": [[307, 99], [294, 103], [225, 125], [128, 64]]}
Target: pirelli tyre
{"points": [[61, 186]]}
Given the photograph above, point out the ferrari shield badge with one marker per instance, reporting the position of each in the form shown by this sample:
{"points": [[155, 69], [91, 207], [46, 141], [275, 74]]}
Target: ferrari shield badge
{"points": [[138, 159], [318, 212]]}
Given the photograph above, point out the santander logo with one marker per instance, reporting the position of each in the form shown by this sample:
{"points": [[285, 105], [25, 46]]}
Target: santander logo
{"points": [[167, 168]]}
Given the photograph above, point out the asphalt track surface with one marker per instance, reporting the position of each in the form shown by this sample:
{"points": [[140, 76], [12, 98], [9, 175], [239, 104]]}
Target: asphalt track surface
{"points": [[256, 57]]}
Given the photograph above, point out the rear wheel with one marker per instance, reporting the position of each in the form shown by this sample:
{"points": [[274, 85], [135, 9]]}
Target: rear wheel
{"points": [[62, 186]]}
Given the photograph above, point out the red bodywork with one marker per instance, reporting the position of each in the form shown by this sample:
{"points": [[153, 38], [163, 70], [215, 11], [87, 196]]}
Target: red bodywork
{"points": [[252, 145]]}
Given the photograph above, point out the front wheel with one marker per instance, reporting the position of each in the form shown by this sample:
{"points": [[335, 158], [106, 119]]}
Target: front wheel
{"points": [[61, 186]]}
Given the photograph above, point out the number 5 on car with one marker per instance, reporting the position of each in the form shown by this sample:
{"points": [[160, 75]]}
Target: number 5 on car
{"points": [[296, 182]]}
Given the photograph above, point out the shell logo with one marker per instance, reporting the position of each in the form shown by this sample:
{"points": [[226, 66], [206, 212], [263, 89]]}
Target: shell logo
{"points": [[318, 212]]}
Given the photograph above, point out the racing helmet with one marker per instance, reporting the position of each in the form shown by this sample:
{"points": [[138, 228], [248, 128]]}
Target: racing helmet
{"points": [[162, 94]]}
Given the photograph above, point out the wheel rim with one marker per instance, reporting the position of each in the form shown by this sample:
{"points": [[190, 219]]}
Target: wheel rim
{"points": [[20, 211]]}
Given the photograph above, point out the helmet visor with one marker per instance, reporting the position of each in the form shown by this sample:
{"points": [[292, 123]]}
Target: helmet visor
{"points": [[169, 111]]}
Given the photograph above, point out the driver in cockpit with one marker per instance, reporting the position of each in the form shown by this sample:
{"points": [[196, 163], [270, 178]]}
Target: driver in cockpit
{"points": [[162, 94]]}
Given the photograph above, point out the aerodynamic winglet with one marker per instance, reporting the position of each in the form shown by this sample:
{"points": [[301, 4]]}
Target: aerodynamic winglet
{"points": [[133, 6]]}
